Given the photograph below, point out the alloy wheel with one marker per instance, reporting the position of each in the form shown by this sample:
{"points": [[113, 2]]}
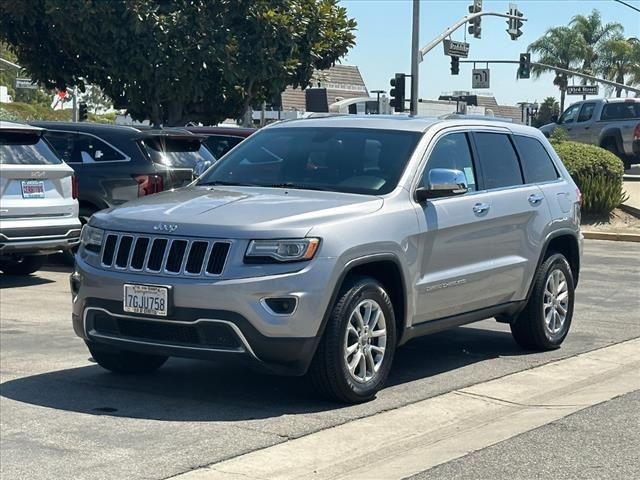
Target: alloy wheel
{"points": [[365, 341]]}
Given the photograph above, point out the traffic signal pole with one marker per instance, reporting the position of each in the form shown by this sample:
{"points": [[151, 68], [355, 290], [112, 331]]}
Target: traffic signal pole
{"points": [[436, 41], [415, 46], [562, 70]]}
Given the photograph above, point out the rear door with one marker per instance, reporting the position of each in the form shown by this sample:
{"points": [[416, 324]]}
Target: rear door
{"points": [[34, 182]]}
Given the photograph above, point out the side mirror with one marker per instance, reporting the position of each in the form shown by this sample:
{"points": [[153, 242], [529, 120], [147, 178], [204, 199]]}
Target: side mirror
{"points": [[200, 167], [443, 182], [554, 118]]}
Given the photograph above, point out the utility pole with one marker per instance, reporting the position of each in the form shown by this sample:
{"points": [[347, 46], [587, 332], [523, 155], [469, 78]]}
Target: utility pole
{"points": [[415, 52]]}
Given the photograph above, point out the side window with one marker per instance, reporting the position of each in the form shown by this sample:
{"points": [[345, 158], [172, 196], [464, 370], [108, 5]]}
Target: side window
{"points": [[498, 160], [452, 151], [586, 112], [62, 143], [536, 162], [620, 111], [570, 114], [89, 149]]}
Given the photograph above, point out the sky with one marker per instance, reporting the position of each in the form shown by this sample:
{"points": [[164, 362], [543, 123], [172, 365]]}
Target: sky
{"points": [[383, 42]]}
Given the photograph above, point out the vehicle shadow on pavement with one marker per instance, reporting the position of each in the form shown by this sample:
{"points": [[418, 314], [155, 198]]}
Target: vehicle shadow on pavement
{"points": [[15, 281], [186, 390]]}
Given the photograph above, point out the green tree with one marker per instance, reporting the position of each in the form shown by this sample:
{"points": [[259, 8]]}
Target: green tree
{"points": [[619, 61], [594, 33], [548, 109], [180, 60], [562, 47]]}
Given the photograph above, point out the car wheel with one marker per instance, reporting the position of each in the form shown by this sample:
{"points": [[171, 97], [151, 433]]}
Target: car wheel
{"points": [[545, 321], [355, 354], [24, 265], [124, 361]]}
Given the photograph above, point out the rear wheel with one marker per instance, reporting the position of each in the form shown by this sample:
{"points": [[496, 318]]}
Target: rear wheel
{"points": [[124, 361], [545, 321], [355, 354], [22, 265], [611, 146]]}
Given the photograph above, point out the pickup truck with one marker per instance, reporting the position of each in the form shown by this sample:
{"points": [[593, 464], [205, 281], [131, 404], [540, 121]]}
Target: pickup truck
{"points": [[612, 123]]}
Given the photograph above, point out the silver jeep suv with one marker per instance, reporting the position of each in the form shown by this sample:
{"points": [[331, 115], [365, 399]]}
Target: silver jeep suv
{"points": [[322, 245]]}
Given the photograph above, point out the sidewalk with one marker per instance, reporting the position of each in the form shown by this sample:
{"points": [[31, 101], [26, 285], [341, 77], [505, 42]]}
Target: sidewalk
{"points": [[633, 190]]}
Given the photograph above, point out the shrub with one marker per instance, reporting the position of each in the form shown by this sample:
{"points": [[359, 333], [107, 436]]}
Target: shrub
{"points": [[597, 172]]}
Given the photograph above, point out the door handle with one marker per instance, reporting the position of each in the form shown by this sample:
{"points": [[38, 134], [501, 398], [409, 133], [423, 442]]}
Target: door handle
{"points": [[481, 208], [535, 199], [587, 128]]}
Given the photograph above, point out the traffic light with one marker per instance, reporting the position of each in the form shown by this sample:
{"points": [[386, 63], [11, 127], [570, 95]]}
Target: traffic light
{"points": [[474, 24], [524, 71], [82, 112], [397, 93], [514, 22], [455, 65]]}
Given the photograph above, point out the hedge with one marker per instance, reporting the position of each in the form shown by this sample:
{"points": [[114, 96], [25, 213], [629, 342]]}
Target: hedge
{"points": [[598, 174]]}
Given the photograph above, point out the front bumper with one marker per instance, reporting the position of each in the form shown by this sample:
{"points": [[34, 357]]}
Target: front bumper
{"points": [[15, 238], [209, 317]]}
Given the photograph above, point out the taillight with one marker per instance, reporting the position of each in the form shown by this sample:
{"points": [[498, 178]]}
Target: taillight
{"points": [[74, 187], [149, 184], [579, 196], [636, 132]]}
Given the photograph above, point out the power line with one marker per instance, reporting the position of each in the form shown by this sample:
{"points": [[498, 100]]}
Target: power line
{"points": [[628, 5]]}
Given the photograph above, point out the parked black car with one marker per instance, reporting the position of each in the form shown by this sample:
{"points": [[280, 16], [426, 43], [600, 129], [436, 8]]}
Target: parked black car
{"points": [[115, 163]]}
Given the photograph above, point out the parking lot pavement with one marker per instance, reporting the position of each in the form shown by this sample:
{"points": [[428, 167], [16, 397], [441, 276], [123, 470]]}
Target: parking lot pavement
{"points": [[598, 443], [61, 416]]}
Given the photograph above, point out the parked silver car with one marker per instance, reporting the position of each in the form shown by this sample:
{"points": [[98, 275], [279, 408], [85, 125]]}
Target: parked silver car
{"points": [[38, 206], [321, 245]]}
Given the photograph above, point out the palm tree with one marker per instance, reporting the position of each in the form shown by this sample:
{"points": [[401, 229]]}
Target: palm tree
{"points": [[620, 61], [562, 47], [594, 34]]}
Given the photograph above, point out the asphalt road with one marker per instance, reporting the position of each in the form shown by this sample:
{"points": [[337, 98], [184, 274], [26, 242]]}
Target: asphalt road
{"points": [[61, 416]]}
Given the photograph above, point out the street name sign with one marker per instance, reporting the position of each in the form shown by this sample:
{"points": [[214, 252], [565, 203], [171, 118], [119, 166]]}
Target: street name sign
{"points": [[480, 78], [26, 83], [582, 90], [456, 49]]}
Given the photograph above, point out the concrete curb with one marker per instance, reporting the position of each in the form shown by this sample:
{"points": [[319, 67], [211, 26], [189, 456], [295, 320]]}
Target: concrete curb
{"points": [[635, 211], [619, 237]]}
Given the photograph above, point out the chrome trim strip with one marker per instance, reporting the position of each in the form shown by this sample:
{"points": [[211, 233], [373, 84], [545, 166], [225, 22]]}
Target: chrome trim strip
{"points": [[233, 326], [41, 237]]}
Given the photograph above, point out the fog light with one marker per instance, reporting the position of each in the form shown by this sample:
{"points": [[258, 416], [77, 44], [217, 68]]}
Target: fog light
{"points": [[280, 305]]}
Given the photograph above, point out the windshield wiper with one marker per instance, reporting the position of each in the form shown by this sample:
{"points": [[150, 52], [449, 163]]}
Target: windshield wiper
{"points": [[223, 183], [300, 186]]}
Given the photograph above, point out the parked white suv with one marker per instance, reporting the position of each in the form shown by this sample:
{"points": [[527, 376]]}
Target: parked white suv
{"points": [[38, 206]]}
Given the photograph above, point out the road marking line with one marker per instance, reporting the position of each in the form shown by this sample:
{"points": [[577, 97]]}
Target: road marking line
{"points": [[414, 438]]}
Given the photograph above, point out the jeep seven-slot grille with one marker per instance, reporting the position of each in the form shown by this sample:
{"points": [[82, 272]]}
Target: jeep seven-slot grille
{"points": [[139, 253]]}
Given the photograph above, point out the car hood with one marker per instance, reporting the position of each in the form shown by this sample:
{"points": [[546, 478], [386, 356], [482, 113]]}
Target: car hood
{"points": [[235, 212]]}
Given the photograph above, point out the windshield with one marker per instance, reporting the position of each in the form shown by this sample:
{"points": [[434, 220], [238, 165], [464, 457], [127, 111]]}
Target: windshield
{"points": [[352, 160], [17, 148], [177, 152]]}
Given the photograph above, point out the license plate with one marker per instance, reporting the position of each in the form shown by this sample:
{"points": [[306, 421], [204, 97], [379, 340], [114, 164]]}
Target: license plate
{"points": [[32, 189], [146, 299]]}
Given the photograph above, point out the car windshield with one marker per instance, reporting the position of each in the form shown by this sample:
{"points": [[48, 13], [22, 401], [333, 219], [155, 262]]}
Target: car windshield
{"points": [[178, 151], [351, 160], [18, 148]]}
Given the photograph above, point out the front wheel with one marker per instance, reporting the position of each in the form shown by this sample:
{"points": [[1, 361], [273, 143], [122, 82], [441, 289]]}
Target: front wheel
{"points": [[23, 266], [355, 354], [125, 361], [544, 323]]}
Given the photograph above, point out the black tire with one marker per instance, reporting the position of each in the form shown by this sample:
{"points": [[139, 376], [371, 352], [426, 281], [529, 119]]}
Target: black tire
{"points": [[124, 361], [529, 328], [329, 372], [24, 265], [611, 146]]}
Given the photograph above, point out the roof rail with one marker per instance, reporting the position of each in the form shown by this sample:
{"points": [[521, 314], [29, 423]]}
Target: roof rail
{"points": [[461, 116]]}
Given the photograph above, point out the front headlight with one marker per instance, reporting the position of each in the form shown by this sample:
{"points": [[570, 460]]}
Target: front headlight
{"points": [[286, 250], [91, 238]]}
